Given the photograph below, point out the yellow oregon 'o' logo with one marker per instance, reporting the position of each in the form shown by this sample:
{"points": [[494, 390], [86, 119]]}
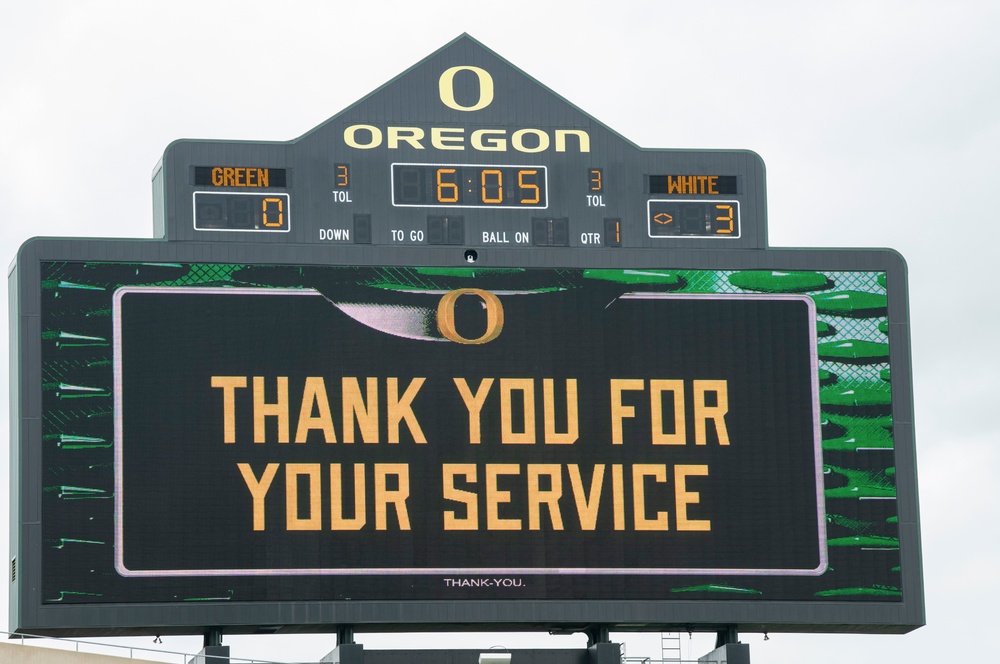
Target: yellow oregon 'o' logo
{"points": [[446, 316], [446, 86]]}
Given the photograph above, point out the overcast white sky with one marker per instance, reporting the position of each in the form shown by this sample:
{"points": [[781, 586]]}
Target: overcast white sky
{"points": [[879, 123]]}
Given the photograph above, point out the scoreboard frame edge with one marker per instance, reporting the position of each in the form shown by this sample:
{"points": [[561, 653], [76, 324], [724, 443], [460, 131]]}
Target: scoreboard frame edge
{"points": [[29, 615]]}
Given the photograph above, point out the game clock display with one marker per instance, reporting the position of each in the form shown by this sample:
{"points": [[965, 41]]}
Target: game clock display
{"points": [[464, 185]]}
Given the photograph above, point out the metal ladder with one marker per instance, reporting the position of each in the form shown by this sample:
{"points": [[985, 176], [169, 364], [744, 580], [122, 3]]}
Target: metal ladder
{"points": [[670, 646]]}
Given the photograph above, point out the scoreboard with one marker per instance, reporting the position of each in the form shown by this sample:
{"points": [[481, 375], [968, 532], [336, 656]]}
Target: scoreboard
{"points": [[474, 155], [461, 356]]}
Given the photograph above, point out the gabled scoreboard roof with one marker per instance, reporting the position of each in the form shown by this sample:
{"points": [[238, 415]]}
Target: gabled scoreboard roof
{"points": [[460, 357]]}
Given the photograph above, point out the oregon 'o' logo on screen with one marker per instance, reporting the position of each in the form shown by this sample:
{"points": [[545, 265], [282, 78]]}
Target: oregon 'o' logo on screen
{"points": [[446, 316], [446, 88]]}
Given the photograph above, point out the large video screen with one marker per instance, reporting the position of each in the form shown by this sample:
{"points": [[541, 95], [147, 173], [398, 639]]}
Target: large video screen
{"points": [[283, 433]]}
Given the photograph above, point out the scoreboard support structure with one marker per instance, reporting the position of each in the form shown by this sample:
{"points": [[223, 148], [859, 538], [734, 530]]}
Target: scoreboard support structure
{"points": [[461, 357], [600, 650], [601, 653]]}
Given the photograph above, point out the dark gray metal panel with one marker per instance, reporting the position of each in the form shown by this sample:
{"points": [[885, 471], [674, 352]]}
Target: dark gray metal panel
{"points": [[903, 428]]}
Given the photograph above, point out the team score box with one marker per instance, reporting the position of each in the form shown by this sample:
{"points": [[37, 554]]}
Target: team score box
{"points": [[360, 432], [693, 218]]}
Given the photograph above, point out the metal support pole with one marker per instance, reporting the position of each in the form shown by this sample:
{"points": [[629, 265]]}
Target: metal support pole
{"points": [[728, 648], [726, 635], [598, 634], [213, 637], [213, 652]]}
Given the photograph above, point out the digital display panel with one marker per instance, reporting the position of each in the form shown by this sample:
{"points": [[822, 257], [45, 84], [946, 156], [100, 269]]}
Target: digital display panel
{"points": [[457, 185], [242, 212], [436, 464], [240, 176], [389, 433], [694, 218], [693, 184]]}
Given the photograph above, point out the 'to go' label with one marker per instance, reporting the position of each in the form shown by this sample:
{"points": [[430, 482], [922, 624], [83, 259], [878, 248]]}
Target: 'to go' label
{"points": [[400, 235]]}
